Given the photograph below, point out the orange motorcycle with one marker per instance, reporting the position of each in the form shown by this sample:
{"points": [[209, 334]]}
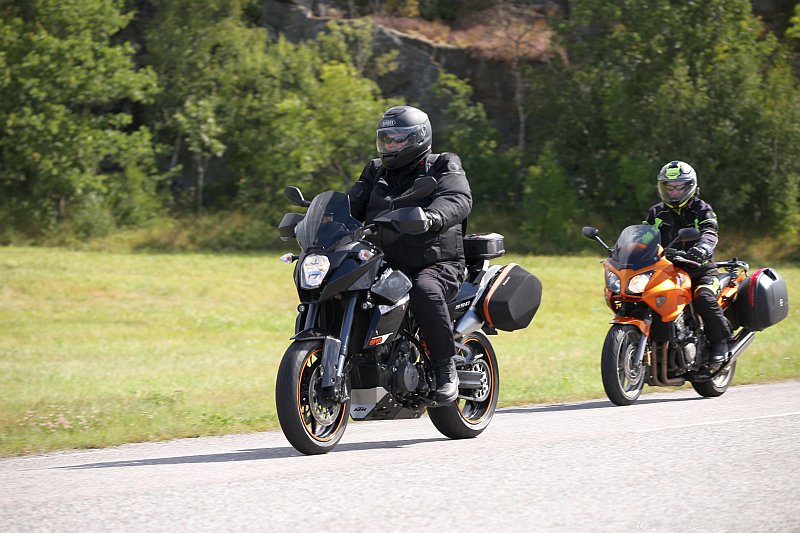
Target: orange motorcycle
{"points": [[656, 337]]}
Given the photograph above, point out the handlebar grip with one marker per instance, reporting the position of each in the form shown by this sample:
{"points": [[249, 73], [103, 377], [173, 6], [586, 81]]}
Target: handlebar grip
{"points": [[676, 257]]}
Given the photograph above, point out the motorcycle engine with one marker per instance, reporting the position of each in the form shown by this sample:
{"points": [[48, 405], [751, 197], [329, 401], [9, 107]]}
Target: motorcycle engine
{"points": [[686, 340], [406, 377], [406, 373]]}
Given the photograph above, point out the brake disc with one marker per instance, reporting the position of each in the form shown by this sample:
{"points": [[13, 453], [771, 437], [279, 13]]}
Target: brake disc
{"points": [[324, 411]]}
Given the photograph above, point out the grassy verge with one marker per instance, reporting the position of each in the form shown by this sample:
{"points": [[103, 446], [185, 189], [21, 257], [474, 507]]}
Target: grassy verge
{"points": [[100, 348]]}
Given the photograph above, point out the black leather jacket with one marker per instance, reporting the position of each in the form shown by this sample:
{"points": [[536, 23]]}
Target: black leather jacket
{"points": [[698, 214], [377, 187]]}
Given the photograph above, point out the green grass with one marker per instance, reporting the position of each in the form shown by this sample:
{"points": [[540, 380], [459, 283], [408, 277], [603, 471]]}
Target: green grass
{"points": [[100, 348]]}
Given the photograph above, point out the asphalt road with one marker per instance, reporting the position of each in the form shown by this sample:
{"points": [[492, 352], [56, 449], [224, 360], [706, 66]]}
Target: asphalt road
{"points": [[670, 462]]}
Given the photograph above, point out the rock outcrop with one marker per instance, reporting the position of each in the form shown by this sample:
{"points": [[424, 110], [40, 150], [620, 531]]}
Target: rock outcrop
{"points": [[420, 60]]}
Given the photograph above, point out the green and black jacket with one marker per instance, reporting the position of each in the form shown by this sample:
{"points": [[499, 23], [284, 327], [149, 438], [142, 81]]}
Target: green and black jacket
{"points": [[698, 214]]}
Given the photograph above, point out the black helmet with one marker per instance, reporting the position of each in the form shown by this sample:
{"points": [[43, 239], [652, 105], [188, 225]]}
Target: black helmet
{"points": [[677, 183], [403, 136]]}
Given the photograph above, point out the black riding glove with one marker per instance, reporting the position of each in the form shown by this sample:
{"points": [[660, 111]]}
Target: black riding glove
{"points": [[434, 221], [696, 254], [672, 254]]}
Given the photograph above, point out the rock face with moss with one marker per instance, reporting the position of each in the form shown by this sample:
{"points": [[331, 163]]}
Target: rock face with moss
{"points": [[419, 62]]}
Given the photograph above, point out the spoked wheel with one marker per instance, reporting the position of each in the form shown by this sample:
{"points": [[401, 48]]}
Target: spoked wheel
{"points": [[716, 386], [623, 379], [472, 411], [312, 423]]}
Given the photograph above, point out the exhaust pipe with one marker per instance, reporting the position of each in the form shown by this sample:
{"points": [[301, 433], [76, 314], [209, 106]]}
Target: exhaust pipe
{"points": [[742, 341]]}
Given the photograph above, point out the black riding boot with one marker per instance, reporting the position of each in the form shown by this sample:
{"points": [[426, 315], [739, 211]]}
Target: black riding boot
{"points": [[717, 354], [446, 382]]}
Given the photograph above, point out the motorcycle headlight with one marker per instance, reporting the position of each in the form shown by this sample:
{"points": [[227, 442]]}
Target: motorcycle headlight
{"points": [[612, 282], [637, 283], [313, 271]]}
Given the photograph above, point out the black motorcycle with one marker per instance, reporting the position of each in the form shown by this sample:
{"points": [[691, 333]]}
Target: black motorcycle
{"points": [[357, 351]]}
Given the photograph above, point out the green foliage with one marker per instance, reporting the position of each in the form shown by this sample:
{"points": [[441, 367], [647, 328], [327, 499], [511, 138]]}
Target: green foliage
{"points": [[794, 29], [492, 172], [288, 113], [65, 85], [236, 114], [311, 124], [648, 82], [549, 209]]}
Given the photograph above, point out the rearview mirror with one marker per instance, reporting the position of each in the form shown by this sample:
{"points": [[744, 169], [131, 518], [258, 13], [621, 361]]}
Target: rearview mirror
{"points": [[590, 232], [688, 234], [294, 195], [422, 187]]}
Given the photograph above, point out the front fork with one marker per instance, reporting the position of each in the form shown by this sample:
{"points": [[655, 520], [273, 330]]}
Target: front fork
{"points": [[334, 351], [643, 324]]}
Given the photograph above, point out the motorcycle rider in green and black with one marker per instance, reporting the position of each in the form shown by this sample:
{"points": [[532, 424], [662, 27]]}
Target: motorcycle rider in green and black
{"points": [[681, 207], [433, 260]]}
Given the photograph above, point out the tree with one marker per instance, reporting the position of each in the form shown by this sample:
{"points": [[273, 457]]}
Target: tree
{"points": [[794, 28], [492, 172], [310, 123], [206, 58], [549, 208], [645, 82], [199, 125], [65, 84]]}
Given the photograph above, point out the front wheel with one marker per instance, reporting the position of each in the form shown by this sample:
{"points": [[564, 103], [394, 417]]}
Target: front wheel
{"points": [[312, 423], [623, 378], [717, 386], [472, 411]]}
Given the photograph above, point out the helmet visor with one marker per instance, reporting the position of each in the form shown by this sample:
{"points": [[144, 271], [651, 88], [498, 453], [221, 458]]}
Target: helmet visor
{"points": [[676, 192], [391, 140]]}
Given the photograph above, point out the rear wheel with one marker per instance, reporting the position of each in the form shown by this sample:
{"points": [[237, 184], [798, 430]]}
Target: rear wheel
{"points": [[312, 423], [472, 411], [623, 379], [717, 386]]}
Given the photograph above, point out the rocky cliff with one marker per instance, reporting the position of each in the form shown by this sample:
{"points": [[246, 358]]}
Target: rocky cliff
{"points": [[421, 62]]}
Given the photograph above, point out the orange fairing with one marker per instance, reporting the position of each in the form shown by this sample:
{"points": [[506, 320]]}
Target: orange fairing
{"points": [[727, 294], [667, 293]]}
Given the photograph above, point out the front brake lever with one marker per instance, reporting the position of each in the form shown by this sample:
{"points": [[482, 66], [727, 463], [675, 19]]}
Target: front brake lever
{"points": [[685, 261]]}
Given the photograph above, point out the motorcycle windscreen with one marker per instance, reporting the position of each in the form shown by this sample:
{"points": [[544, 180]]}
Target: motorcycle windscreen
{"points": [[636, 247], [327, 221]]}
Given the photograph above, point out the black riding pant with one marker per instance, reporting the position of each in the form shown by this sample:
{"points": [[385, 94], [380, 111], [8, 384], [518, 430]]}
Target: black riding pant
{"points": [[433, 287], [706, 289]]}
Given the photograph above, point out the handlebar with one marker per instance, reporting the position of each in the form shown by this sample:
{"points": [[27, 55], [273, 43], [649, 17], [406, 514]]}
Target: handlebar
{"points": [[733, 264], [673, 255]]}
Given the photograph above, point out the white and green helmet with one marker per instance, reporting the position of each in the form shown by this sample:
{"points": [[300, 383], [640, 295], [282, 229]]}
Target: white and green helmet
{"points": [[677, 183]]}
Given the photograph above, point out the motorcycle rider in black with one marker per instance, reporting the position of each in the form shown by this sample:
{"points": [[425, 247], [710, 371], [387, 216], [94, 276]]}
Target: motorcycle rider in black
{"points": [[681, 207], [433, 260]]}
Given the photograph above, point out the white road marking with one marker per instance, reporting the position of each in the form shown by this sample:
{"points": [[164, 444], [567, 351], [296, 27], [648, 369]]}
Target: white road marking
{"points": [[716, 422]]}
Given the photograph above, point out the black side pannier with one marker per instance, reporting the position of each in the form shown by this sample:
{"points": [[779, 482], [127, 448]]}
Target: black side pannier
{"points": [[483, 246], [512, 298], [763, 300]]}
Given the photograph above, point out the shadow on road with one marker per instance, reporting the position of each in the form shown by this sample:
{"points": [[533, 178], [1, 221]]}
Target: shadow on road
{"points": [[250, 455], [599, 404]]}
